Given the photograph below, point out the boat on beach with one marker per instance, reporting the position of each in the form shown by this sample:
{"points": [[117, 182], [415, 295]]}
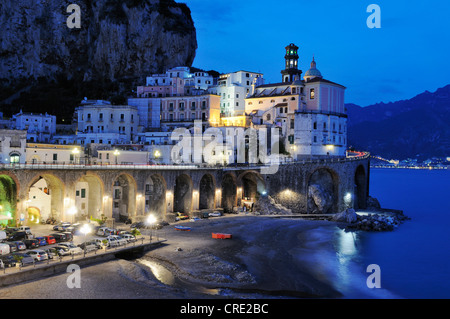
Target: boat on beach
{"points": [[183, 228], [221, 236]]}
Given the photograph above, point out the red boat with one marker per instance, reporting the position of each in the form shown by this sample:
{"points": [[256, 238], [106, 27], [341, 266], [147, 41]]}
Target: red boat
{"points": [[221, 236], [183, 228]]}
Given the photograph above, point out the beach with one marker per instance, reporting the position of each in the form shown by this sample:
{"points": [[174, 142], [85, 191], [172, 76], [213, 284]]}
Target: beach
{"points": [[265, 258]]}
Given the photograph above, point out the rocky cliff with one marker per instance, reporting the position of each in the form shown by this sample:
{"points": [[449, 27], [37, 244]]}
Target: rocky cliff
{"points": [[45, 65]]}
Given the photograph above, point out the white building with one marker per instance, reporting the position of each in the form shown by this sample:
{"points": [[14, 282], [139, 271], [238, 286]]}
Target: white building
{"points": [[103, 123], [233, 88], [123, 157], [37, 153], [12, 146], [39, 127]]}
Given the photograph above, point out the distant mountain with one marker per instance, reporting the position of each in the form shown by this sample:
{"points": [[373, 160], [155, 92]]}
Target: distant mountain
{"points": [[418, 127]]}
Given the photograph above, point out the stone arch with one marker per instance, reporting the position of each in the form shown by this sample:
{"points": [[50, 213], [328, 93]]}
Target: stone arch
{"points": [[89, 192], [207, 191], [253, 185], [360, 192], [322, 191], [155, 195], [183, 188], [52, 191], [229, 192], [8, 197], [124, 192]]}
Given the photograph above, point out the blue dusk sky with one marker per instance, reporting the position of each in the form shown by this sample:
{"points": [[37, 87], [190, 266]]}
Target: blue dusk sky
{"points": [[406, 56]]}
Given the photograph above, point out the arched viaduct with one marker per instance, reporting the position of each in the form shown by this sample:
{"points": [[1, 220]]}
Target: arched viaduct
{"points": [[135, 191]]}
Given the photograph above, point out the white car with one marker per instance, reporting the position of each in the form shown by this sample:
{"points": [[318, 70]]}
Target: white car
{"points": [[98, 241], [103, 231], [194, 219], [130, 238], [120, 240], [73, 250], [38, 255], [112, 241], [215, 214]]}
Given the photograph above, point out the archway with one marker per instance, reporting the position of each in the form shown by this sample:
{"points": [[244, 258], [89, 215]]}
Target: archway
{"points": [[34, 215], [8, 200], [46, 193], [322, 192], [207, 192], [253, 185], [229, 192], [183, 194], [360, 188], [124, 198], [89, 197], [155, 196]]}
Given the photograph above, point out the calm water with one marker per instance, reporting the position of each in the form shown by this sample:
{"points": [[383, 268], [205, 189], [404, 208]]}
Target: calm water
{"points": [[415, 258]]}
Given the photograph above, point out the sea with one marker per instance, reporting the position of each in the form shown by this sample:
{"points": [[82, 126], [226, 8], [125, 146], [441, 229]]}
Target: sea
{"points": [[411, 262]]}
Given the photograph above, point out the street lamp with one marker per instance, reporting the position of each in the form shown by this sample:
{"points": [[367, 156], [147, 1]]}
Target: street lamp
{"points": [[116, 153], [86, 229], [151, 219], [75, 152]]}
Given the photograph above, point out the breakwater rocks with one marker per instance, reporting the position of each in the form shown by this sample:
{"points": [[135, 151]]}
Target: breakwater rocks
{"points": [[376, 222]]}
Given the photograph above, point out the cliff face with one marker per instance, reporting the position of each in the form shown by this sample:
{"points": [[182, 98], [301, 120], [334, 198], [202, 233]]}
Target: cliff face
{"points": [[119, 43]]}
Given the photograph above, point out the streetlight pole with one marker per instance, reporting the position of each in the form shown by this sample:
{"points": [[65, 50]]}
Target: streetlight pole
{"points": [[85, 230], [116, 153]]}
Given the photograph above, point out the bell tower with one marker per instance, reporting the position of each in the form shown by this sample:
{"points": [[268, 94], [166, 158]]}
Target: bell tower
{"points": [[291, 72]]}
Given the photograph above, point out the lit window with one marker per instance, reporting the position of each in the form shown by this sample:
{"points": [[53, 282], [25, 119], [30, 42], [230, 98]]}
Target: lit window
{"points": [[312, 94]]}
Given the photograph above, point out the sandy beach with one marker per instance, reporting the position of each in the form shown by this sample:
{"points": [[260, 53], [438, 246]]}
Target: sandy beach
{"points": [[266, 258]]}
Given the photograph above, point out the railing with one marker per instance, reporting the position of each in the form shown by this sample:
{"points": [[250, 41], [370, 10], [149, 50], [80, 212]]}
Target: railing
{"points": [[107, 166]]}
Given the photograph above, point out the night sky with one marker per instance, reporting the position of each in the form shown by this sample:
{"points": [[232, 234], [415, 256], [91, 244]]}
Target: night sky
{"points": [[406, 56]]}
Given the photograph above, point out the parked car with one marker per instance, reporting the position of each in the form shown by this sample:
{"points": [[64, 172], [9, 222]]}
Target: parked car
{"points": [[181, 216], [59, 237], [112, 242], [205, 215], [62, 250], [61, 226], [138, 225], [31, 243], [11, 230], [89, 246], [215, 214], [51, 252], [4, 249], [120, 240], [42, 241], [38, 254], [20, 245], [50, 240], [69, 236], [194, 219], [103, 231], [23, 259], [12, 247], [18, 235], [128, 237], [98, 241], [7, 261], [73, 250], [26, 229]]}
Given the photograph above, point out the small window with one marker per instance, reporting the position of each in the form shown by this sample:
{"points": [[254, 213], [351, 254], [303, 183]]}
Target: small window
{"points": [[312, 94]]}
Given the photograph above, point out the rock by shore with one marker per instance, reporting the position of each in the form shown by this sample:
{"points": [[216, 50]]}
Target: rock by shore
{"points": [[377, 222]]}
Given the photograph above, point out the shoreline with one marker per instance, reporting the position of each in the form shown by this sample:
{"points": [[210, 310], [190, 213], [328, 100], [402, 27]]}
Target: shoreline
{"points": [[266, 258]]}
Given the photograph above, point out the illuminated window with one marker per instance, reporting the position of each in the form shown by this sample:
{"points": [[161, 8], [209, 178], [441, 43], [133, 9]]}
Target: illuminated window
{"points": [[312, 94]]}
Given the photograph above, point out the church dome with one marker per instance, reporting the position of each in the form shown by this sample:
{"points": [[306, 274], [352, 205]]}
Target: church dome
{"points": [[313, 71]]}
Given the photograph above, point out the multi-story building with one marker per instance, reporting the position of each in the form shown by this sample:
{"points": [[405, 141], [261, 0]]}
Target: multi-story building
{"points": [[53, 153], [39, 127], [102, 123], [233, 88], [182, 111], [12, 146]]}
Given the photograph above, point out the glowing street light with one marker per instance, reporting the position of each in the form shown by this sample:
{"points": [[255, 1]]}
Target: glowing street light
{"points": [[151, 219], [85, 229], [116, 153]]}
